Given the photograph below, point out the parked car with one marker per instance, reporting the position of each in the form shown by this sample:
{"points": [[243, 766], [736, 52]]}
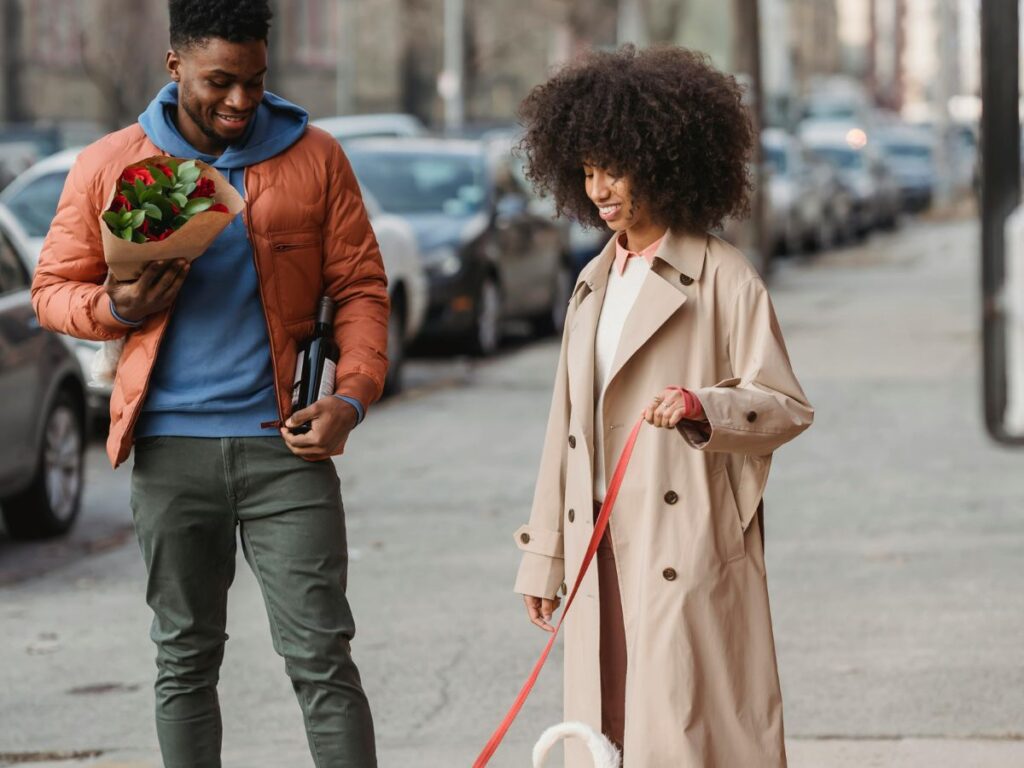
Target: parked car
{"points": [[910, 155], [348, 127], [24, 144], [43, 411], [489, 257], [875, 195], [809, 206], [407, 285], [32, 199]]}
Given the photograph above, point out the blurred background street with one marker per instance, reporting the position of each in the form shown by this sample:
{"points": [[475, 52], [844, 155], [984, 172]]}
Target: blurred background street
{"points": [[894, 527]]}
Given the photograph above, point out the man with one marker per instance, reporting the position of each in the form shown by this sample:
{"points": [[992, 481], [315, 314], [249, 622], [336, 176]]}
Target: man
{"points": [[203, 388]]}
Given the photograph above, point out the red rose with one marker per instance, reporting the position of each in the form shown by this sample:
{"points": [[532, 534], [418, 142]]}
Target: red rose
{"points": [[153, 238], [120, 204], [204, 188], [175, 209], [165, 170], [131, 174], [219, 207], [144, 229]]}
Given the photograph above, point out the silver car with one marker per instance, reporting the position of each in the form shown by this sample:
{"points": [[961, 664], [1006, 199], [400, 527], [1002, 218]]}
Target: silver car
{"points": [[43, 410]]}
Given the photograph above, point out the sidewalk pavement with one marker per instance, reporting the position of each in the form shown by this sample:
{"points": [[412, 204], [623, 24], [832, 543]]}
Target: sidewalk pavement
{"points": [[894, 534]]}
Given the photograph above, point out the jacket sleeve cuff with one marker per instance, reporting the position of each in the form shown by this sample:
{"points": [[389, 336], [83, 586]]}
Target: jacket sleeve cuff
{"points": [[118, 318], [542, 568], [360, 410], [102, 310], [359, 387]]}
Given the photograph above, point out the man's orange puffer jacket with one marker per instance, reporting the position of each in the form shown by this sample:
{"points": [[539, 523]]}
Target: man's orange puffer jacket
{"points": [[310, 237]]}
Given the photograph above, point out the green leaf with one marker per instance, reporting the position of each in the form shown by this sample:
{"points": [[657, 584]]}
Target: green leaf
{"points": [[198, 205], [140, 238], [178, 199], [188, 175], [137, 217], [140, 187], [185, 166], [188, 189], [161, 178], [179, 222], [126, 234], [153, 211], [113, 219]]}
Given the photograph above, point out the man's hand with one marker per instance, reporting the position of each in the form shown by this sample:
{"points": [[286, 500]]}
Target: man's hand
{"points": [[153, 291], [330, 420], [672, 406], [540, 609]]}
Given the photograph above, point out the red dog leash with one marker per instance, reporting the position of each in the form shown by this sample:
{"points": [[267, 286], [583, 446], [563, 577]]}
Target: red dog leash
{"points": [[599, 528]]}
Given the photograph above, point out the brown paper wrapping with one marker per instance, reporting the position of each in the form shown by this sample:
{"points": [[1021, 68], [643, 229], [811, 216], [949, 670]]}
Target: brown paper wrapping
{"points": [[126, 260]]}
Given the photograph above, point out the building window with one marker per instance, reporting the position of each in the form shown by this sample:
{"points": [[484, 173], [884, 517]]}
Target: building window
{"points": [[315, 24], [54, 32]]}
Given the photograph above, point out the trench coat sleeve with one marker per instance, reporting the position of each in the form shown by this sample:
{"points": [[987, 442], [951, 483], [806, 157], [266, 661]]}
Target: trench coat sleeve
{"points": [[67, 290], [542, 567], [762, 406]]}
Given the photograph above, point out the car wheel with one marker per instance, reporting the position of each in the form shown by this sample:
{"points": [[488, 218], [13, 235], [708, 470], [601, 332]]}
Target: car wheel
{"points": [[396, 348], [49, 506], [485, 335], [553, 320]]}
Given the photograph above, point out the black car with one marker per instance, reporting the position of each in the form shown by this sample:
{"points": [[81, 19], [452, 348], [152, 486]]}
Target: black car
{"points": [[43, 412], [490, 254]]}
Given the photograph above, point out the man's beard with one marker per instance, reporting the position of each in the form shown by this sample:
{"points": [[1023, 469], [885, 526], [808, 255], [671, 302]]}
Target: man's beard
{"points": [[191, 109]]}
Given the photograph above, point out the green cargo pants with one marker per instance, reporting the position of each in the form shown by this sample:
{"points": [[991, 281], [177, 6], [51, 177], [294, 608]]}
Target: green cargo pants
{"points": [[188, 496]]}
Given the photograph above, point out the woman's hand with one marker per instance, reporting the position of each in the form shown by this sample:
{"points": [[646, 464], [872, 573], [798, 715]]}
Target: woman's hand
{"points": [[672, 406], [539, 609]]}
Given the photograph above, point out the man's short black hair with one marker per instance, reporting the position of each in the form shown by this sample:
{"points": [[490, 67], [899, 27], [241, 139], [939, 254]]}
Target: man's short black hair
{"points": [[237, 21]]}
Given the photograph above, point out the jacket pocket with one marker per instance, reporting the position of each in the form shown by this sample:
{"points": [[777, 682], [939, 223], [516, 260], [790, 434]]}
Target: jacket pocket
{"points": [[726, 518], [298, 271]]}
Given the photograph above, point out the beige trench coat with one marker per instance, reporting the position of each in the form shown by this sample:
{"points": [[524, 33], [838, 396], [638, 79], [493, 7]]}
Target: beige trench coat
{"points": [[702, 688]]}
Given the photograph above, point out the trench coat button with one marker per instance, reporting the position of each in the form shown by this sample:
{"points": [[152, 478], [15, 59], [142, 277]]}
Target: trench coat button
{"points": [[752, 416], [525, 538], [564, 589], [671, 497], [572, 441], [572, 515], [685, 279], [669, 574]]}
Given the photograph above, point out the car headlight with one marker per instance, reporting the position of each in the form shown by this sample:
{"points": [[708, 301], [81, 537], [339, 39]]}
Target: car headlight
{"points": [[443, 261]]}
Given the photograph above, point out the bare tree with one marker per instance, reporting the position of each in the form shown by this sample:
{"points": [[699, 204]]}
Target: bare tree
{"points": [[122, 55]]}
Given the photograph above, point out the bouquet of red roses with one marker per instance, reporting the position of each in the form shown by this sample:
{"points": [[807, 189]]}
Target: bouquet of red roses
{"points": [[165, 208]]}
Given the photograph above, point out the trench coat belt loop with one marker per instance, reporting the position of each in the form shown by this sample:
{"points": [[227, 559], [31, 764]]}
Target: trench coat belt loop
{"points": [[599, 528]]}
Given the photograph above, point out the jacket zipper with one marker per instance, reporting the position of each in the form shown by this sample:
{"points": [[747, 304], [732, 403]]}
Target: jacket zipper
{"points": [[288, 246], [247, 217]]}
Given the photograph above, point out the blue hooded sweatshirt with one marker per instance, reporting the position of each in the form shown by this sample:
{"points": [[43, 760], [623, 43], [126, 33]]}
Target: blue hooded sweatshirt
{"points": [[213, 376]]}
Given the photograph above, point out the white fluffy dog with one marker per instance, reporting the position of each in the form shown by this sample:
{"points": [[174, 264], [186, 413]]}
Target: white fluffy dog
{"points": [[104, 362], [603, 751]]}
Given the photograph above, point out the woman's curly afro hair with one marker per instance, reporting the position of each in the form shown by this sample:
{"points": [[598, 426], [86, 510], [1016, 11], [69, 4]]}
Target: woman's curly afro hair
{"points": [[237, 21], [662, 117]]}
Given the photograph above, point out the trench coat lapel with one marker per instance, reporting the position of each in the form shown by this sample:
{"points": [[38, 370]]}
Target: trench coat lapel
{"points": [[678, 263], [590, 297]]}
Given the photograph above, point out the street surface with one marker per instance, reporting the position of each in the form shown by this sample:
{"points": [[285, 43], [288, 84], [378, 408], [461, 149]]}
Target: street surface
{"points": [[894, 535]]}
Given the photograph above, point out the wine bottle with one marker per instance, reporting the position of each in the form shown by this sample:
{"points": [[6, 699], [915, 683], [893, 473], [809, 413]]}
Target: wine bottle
{"points": [[316, 364]]}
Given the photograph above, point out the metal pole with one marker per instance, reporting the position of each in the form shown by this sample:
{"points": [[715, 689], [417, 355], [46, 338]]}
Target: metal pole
{"points": [[344, 55], [450, 84], [1000, 194]]}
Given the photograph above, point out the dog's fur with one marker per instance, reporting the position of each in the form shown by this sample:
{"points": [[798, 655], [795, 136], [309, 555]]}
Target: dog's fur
{"points": [[104, 362], [604, 752]]}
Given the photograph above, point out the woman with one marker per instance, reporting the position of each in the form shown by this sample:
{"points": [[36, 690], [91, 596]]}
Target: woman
{"points": [[673, 656]]}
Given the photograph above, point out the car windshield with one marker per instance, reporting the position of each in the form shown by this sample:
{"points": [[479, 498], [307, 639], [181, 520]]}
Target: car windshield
{"points": [[776, 160], [841, 157], [35, 206], [909, 151], [409, 183]]}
